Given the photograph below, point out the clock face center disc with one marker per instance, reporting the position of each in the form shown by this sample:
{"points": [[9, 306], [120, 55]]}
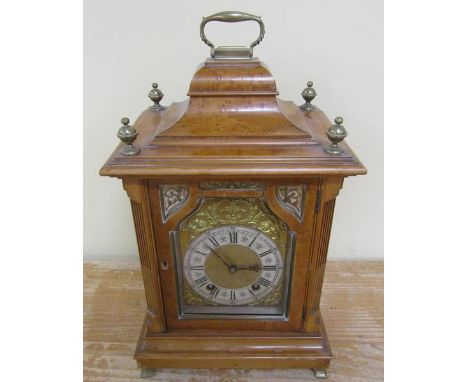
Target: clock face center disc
{"points": [[242, 268]]}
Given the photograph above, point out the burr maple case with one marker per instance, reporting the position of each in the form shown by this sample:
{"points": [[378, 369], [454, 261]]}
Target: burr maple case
{"points": [[233, 192]]}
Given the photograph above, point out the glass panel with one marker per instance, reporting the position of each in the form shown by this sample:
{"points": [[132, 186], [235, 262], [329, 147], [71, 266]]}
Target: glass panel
{"points": [[233, 259]]}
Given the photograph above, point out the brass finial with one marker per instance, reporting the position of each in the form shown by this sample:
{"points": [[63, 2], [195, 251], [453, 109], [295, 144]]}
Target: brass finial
{"points": [[128, 134], [336, 133], [308, 94], [156, 95]]}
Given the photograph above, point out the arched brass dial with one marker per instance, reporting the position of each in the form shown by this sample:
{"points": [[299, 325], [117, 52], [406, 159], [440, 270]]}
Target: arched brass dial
{"points": [[233, 265]]}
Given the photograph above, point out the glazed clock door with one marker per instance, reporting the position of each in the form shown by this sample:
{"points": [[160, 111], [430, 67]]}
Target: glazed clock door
{"points": [[234, 255], [233, 260]]}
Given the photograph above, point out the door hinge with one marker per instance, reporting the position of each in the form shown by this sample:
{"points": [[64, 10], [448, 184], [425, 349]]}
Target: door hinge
{"points": [[318, 201]]}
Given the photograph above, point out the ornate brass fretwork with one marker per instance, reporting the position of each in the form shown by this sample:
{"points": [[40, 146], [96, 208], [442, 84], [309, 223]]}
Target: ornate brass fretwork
{"points": [[192, 298], [274, 298], [250, 212]]}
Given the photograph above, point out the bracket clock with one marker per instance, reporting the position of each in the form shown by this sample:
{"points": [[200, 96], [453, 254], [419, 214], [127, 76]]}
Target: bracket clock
{"points": [[233, 193]]}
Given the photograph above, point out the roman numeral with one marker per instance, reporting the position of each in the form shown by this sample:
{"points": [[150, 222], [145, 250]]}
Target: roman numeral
{"points": [[201, 281], [215, 291], [264, 253], [233, 236], [251, 292], [269, 268], [255, 238], [201, 253], [233, 295], [196, 268], [264, 282], [213, 241]]}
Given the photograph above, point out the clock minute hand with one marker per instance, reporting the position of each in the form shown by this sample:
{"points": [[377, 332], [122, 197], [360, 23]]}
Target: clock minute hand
{"points": [[221, 258]]}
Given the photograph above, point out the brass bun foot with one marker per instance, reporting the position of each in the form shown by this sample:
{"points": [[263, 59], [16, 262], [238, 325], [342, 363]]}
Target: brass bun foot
{"points": [[147, 373], [320, 373]]}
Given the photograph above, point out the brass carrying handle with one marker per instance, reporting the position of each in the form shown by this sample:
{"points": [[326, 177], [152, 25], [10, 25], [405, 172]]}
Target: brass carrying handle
{"points": [[231, 17]]}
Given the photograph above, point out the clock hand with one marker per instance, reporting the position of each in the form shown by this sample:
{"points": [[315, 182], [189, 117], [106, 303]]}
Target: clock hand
{"points": [[254, 267], [229, 265]]}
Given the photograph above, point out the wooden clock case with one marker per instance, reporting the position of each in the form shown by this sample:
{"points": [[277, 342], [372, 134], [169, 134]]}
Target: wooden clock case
{"points": [[231, 134]]}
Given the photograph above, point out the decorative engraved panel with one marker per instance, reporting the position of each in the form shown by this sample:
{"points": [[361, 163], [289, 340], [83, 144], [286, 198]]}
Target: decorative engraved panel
{"points": [[173, 197], [232, 186], [291, 198]]}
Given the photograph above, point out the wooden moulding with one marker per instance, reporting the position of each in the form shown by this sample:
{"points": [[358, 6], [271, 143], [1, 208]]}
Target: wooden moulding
{"points": [[329, 189], [222, 350], [137, 192]]}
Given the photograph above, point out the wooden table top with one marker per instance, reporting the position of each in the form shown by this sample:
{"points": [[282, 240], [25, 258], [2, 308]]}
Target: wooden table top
{"points": [[352, 308]]}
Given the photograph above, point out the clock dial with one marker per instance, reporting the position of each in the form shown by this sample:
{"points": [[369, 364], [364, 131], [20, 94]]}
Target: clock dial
{"points": [[233, 265]]}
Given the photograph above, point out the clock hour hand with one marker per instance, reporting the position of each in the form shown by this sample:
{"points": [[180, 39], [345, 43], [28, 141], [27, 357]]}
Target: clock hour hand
{"points": [[253, 267]]}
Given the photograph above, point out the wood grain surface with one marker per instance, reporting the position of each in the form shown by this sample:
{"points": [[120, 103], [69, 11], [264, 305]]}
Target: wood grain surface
{"points": [[352, 308], [234, 125]]}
